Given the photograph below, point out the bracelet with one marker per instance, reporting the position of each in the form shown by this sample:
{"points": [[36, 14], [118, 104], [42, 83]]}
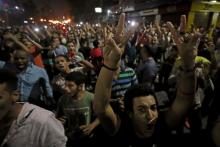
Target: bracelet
{"points": [[109, 68], [188, 70]]}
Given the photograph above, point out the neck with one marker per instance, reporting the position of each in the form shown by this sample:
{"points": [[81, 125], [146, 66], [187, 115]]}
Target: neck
{"points": [[66, 71], [78, 96], [12, 114]]}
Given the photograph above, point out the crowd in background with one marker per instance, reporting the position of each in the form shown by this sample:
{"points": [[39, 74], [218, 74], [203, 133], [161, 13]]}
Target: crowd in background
{"points": [[57, 69]]}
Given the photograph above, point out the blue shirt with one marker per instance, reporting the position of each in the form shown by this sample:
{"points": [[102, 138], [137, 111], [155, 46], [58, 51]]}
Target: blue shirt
{"points": [[27, 80], [60, 50], [147, 71]]}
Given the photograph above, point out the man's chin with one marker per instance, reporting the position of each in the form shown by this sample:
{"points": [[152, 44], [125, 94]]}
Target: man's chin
{"points": [[148, 133], [20, 66]]}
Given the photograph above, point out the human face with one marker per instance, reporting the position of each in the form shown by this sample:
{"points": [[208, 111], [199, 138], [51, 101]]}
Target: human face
{"points": [[71, 88], [61, 64], [6, 101], [21, 59], [71, 47], [144, 116], [56, 42]]}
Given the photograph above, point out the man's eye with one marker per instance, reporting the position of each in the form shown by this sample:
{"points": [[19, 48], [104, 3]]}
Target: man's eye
{"points": [[154, 107], [141, 110]]}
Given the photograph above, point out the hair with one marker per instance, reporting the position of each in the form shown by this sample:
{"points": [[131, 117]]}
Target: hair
{"points": [[64, 56], [76, 77], [137, 91], [96, 43], [10, 78], [149, 50]]}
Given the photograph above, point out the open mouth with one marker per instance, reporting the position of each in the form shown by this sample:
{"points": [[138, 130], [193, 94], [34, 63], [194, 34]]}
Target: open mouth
{"points": [[61, 67], [150, 126]]}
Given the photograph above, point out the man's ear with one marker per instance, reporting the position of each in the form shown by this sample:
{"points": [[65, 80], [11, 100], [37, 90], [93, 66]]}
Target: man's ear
{"points": [[15, 95], [81, 87]]}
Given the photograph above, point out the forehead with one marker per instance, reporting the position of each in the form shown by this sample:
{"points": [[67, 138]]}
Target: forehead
{"points": [[60, 58], [71, 43], [70, 82], [144, 101]]}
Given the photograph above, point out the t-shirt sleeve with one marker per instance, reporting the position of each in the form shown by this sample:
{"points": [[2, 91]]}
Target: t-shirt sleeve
{"points": [[53, 133]]}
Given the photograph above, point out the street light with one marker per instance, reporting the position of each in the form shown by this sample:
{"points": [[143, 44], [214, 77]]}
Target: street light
{"points": [[16, 7], [36, 29], [133, 23], [109, 11]]}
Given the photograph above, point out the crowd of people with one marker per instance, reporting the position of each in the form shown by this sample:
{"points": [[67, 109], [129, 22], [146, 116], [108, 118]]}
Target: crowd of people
{"points": [[112, 85]]}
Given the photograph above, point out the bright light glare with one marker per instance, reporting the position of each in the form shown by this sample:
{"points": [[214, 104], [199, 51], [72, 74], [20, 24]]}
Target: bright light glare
{"points": [[25, 21], [133, 23], [36, 30], [98, 10]]}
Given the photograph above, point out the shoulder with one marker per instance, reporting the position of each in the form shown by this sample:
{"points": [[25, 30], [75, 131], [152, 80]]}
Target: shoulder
{"points": [[39, 115], [89, 95]]}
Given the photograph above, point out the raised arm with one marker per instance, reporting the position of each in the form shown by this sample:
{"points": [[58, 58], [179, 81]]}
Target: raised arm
{"points": [[187, 47], [16, 41], [112, 53]]}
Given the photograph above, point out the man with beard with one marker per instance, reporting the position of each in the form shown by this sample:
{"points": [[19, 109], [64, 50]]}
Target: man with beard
{"points": [[25, 124], [75, 111]]}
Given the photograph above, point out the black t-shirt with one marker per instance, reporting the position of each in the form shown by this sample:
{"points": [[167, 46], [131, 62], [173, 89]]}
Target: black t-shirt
{"points": [[125, 137], [162, 137]]}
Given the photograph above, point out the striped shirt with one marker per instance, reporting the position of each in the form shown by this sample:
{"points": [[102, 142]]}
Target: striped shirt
{"points": [[126, 79]]}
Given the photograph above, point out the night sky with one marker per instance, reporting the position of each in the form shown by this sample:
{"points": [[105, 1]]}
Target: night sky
{"points": [[80, 9]]}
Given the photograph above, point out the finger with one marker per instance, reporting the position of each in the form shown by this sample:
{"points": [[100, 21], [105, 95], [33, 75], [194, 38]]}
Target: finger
{"points": [[121, 24], [82, 127], [107, 48], [195, 40], [183, 23], [173, 32], [187, 37], [129, 34], [114, 46]]}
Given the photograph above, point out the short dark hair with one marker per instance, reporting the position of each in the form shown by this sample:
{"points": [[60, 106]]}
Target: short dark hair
{"points": [[149, 50], [64, 56], [8, 77], [76, 77], [96, 43], [137, 91]]}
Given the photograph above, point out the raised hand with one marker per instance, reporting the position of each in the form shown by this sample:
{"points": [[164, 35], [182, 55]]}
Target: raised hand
{"points": [[115, 43], [187, 43]]}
